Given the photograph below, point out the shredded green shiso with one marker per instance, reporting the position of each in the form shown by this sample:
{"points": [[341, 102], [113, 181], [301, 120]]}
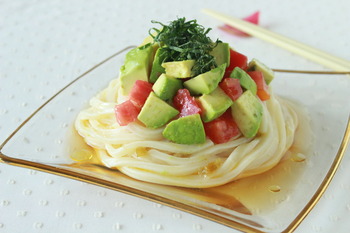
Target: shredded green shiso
{"points": [[183, 40]]}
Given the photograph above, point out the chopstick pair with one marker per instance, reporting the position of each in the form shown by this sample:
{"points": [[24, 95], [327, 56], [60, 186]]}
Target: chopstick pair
{"points": [[339, 65], [310, 71]]}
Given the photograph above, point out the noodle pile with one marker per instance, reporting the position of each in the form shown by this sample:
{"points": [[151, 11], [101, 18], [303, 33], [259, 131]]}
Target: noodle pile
{"points": [[144, 154]]}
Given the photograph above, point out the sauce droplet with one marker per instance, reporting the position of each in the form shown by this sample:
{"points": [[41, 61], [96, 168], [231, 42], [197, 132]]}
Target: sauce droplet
{"points": [[298, 157], [81, 155], [275, 188], [141, 151]]}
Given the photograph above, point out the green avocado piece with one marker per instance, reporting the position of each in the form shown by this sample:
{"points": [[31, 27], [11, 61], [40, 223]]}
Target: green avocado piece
{"points": [[166, 87], [155, 112], [255, 64], [157, 68], [247, 112], [214, 104], [137, 66], [221, 53], [244, 79], [186, 130], [179, 69], [207, 82]]}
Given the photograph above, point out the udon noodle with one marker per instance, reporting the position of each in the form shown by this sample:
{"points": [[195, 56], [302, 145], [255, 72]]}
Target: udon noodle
{"points": [[144, 154]]}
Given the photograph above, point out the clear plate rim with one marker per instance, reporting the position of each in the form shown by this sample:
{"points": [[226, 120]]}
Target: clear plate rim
{"points": [[162, 200]]}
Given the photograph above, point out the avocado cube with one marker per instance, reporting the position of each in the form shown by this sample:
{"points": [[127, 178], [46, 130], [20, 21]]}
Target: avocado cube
{"points": [[166, 87], [155, 112], [221, 53], [244, 79], [137, 66], [247, 112], [255, 64], [179, 69], [207, 82], [214, 104], [157, 68], [147, 40], [186, 130]]}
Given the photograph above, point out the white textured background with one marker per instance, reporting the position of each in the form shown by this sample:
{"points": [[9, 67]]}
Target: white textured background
{"points": [[46, 44]]}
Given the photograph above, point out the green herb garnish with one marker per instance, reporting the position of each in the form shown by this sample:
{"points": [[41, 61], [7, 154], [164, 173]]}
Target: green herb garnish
{"points": [[183, 40]]}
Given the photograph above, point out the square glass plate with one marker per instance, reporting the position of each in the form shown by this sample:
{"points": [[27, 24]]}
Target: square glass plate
{"points": [[276, 201]]}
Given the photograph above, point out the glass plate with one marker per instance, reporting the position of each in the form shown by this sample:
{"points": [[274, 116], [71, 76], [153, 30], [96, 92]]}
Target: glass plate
{"points": [[276, 201]]}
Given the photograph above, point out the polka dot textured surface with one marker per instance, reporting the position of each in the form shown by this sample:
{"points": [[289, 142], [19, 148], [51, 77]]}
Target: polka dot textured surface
{"points": [[46, 44]]}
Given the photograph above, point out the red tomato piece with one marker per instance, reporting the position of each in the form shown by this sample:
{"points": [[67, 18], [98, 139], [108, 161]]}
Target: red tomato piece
{"points": [[126, 112], [139, 92], [231, 87], [222, 129], [185, 103], [236, 60], [263, 89]]}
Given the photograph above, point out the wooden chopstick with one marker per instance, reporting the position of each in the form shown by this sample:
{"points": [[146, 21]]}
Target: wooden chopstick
{"points": [[310, 71], [323, 58]]}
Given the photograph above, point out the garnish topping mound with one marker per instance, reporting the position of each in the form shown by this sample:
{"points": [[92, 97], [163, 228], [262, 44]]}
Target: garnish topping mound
{"points": [[186, 41]]}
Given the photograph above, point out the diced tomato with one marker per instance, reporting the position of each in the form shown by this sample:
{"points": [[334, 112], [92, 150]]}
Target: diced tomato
{"points": [[126, 112], [263, 90], [185, 103], [236, 60], [222, 129], [231, 87], [139, 92]]}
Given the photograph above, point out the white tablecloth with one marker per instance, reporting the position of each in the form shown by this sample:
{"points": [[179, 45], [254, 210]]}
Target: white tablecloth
{"points": [[46, 44]]}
